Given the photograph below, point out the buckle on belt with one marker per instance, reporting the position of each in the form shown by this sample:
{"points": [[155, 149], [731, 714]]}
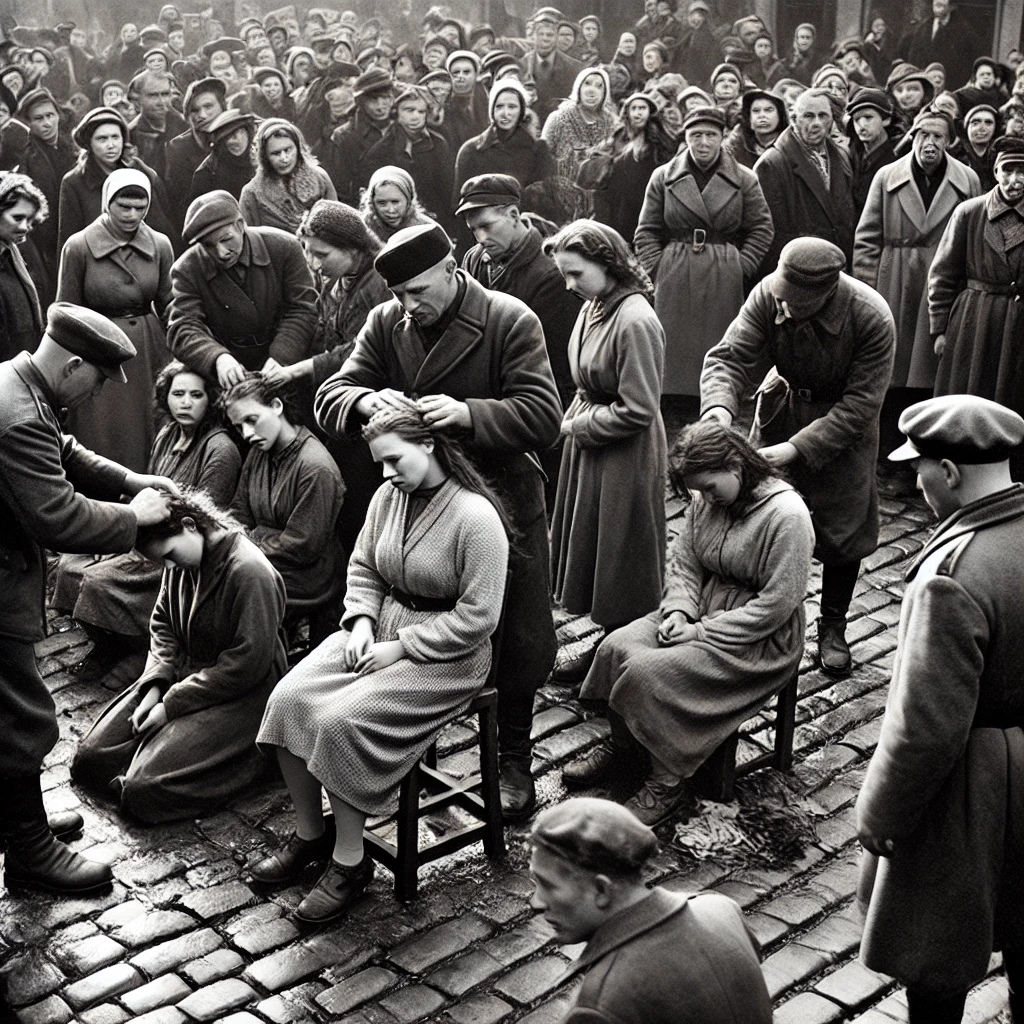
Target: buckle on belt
{"points": [[700, 236], [804, 394]]}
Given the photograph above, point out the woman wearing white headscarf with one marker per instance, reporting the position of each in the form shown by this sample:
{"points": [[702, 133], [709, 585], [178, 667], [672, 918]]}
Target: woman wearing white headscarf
{"points": [[120, 267]]}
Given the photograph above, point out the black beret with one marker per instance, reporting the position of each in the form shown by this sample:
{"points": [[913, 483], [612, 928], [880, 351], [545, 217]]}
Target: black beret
{"points": [[489, 190], [411, 252], [91, 336], [962, 428]]}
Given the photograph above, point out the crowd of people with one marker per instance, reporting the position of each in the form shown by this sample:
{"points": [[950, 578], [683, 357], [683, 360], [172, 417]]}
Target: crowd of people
{"points": [[390, 313]]}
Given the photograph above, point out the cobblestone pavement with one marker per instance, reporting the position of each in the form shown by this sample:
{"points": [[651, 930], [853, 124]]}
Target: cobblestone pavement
{"points": [[183, 936]]}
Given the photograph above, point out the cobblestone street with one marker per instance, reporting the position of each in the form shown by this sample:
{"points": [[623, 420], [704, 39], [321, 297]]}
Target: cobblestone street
{"points": [[184, 936]]}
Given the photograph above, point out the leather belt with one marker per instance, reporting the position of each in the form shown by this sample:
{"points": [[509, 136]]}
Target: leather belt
{"points": [[990, 288], [700, 237], [817, 395], [422, 604]]}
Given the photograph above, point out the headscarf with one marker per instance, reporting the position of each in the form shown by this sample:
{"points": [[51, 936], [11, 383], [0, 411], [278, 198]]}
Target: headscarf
{"points": [[124, 177], [390, 175], [509, 85]]}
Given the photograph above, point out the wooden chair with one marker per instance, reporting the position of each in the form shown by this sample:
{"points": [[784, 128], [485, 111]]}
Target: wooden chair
{"points": [[716, 777]]}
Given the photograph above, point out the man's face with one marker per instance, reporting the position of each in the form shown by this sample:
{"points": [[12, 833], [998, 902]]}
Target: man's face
{"points": [[704, 142], [40, 65], [934, 481], [44, 122], [412, 115], [764, 117], [339, 98], [813, 118], [566, 896], [377, 105], [224, 246], [1010, 180], [565, 38], [749, 31], [155, 97], [271, 88], [869, 125], [78, 37], [463, 77], [495, 228], [425, 298], [940, 8], [176, 40], [238, 142], [909, 95], [727, 87], [930, 143], [80, 384], [545, 38]]}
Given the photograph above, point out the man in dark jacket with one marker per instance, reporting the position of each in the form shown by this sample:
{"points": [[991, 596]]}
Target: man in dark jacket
{"points": [[873, 140], [652, 956], [157, 124], [808, 182], [553, 72], [947, 37], [45, 477], [475, 361], [204, 100], [241, 295]]}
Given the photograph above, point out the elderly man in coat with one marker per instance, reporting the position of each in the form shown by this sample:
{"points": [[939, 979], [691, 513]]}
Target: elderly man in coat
{"points": [[476, 363], [830, 340], [909, 204], [941, 812], [807, 181], [50, 498], [242, 298], [652, 956]]}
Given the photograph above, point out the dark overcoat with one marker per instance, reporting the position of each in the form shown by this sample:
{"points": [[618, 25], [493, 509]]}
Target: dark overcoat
{"points": [[831, 376], [341, 157], [274, 316], [152, 142], [527, 159], [946, 782], [552, 86], [21, 318], [184, 155]]}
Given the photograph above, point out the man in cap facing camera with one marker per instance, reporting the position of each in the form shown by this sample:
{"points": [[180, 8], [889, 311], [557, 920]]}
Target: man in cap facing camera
{"points": [[242, 296], [652, 956], [941, 813], [475, 363], [45, 476], [830, 340]]}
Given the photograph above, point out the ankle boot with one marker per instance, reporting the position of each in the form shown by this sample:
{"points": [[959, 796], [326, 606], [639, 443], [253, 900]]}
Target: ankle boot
{"points": [[833, 650], [34, 857]]}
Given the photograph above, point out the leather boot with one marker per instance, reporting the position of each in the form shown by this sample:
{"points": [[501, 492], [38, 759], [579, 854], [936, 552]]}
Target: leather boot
{"points": [[833, 650], [600, 764], [337, 889], [35, 858], [518, 795], [291, 858]]}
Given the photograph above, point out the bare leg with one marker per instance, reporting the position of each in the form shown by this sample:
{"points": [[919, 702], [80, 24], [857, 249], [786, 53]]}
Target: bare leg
{"points": [[348, 823], [306, 795]]}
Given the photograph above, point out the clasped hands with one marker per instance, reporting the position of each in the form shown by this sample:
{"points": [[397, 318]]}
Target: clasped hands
{"points": [[675, 629], [438, 411], [150, 713], [363, 655]]}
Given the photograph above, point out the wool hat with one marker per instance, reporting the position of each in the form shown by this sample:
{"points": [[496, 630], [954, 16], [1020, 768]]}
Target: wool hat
{"points": [[596, 835], [33, 98], [480, 32], [414, 92], [373, 80], [435, 41], [978, 108], [725, 68], [691, 91], [489, 190], [930, 114], [152, 33], [937, 66], [699, 5], [1002, 73], [904, 72], [633, 97], [873, 99], [1008, 150], [827, 71], [591, 19], [82, 135], [497, 59], [808, 268], [965, 429], [574, 28], [91, 336], [156, 50], [852, 45], [750, 97], [258, 74], [208, 213], [201, 85], [658, 46], [339, 225], [227, 122], [462, 55], [431, 76], [411, 252], [713, 116]]}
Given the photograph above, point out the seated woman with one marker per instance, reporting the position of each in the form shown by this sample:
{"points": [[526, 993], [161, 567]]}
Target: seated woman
{"points": [[179, 743], [424, 596], [112, 596], [729, 632], [288, 498]]}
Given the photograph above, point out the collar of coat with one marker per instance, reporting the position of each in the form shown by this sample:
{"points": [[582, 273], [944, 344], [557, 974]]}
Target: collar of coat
{"points": [[528, 251], [682, 165], [834, 314], [993, 509], [996, 205], [29, 373], [102, 243], [254, 253], [628, 925], [791, 147], [957, 175], [518, 138]]}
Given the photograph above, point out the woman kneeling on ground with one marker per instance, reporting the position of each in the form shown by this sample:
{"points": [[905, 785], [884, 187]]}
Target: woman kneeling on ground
{"points": [[425, 589]]}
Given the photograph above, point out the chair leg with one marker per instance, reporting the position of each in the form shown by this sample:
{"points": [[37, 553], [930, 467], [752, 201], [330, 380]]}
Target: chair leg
{"points": [[430, 757], [785, 726], [718, 772], [408, 846], [494, 835]]}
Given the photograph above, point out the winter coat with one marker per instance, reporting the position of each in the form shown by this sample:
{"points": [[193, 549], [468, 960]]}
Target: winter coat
{"points": [[672, 959], [699, 282], [865, 165], [954, 45], [274, 316], [266, 204], [831, 376], [152, 142], [219, 169], [944, 783], [21, 318], [341, 157], [608, 524], [518, 153], [894, 247], [741, 144], [697, 55], [184, 155], [799, 200], [464, 121]]}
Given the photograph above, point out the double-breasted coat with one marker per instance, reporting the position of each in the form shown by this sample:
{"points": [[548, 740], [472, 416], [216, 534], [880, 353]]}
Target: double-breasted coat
{"points": [[216, 651], [131, 284], [945, 782], [608, 524], [274, 315], [800, 201], [893, 250], [831, 375], [701, 248]]}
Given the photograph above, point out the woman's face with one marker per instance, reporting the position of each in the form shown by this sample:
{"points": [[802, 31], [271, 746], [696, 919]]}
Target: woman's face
{"points": [[652, 61], [265, 57], [566, 38], [672, 116], [302, 68], [727, 87], [985, 76], [909, 95], [837, 87], [282, 153], [259, 425], [330, 261], [16, 222], [405, 463], [764, 117], [434, 57], [718, 487], [183, 550], [804, 39], [440, 89], [412, 114], [638, 113], [938, 79], [129, 34], [156, 62], [391, 204], [878, 27], [237, 142], [112, 94], [14, 81], [508, 109], [127, 214], [272, 89], [39, 64], [763, 48], [590, 32], [592, 92], [107, 144], [583, 277], [981, 129], [627, 44], [187, 400]]}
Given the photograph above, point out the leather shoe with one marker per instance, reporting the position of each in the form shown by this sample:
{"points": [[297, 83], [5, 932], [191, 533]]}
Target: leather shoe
{"points": [[65, 824], [575, 669], [291, 859], [35, 859], [658, 801], [833, 650], [518, 795], [599, 764], [338, 888]]}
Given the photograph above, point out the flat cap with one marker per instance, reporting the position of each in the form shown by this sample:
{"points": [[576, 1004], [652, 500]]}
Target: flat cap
{"points": [[870, 99], [411, 252], [229, 44], [227, 121], [705, 115], [599, 835], [1008, 150], [808, 267], [489, 190], [375, 79], [209, 212], [550, 14], [91, 336], [962, 428]]}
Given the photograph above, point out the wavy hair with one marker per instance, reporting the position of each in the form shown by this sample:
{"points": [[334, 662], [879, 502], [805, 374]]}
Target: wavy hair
{"points": [[604, 246], [195, 505], [214, 416], [273, 128], [259, 389], [14, 187]]}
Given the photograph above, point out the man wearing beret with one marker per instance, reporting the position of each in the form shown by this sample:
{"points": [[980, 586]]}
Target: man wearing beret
{"points": [[941, 812], [652, 956], [507, 258], [830, 340], [241, 296], [54, 495], [475, 362]]}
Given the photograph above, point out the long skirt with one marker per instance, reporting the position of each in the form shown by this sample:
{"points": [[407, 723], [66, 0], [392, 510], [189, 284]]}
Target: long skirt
{"points": [[360, 735]]}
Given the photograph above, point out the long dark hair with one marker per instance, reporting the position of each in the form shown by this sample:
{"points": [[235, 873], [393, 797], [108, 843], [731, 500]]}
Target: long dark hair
{"points": [[710, 447], [194, 508], [604, 246], [409, 425], [214, 416]]}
